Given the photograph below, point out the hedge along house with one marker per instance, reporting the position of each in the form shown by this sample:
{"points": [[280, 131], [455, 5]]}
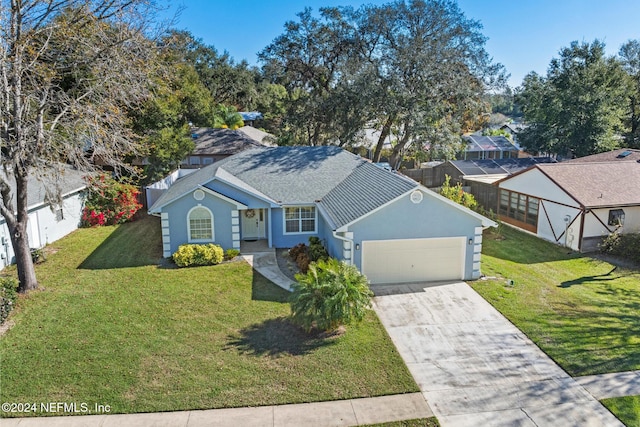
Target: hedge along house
{"points": [[390, 227], [48, 221], [573, 204]]}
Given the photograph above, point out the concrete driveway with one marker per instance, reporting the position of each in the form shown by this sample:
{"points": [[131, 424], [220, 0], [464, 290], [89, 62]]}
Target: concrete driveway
{"points": [[474, 367]]}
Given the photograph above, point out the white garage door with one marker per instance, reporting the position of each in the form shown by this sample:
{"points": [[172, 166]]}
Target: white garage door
{"points": [[413, 260]]}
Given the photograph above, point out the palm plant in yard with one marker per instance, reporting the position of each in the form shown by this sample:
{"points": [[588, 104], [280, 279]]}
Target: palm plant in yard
{"points": [[329, 295]]}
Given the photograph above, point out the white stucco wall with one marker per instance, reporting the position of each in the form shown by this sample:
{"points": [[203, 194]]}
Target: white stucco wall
{"points": [[43, 227], [535, 183]]}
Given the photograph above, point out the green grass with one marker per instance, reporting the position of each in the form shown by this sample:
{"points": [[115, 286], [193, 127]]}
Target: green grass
{"points": [[627, 409], [418, 422], [581, 311], [113, 326]]}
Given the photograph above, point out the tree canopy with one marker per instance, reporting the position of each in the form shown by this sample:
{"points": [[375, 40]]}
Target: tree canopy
{"points": [[579, 107], [415, 70], [72, 71]]}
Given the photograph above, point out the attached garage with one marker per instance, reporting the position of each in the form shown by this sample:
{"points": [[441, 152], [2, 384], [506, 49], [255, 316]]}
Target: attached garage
{"points": [[414, 260]]}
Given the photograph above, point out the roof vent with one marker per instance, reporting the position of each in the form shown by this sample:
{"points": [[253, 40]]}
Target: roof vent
{"points": [[624, 154]]}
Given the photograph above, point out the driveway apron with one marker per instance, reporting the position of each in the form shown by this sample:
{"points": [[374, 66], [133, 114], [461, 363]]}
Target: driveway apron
{"points": [[474, 367]]}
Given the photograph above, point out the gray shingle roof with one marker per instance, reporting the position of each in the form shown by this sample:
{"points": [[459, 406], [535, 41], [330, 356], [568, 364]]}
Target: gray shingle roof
{"points": [[68, 180], [344, 185], [293, 174], [186, 184]]}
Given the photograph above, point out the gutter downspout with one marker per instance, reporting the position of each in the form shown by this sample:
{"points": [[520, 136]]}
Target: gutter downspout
{"points": [[348, 240]]}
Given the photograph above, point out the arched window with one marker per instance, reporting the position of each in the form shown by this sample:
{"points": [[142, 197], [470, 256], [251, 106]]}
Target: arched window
{"points": [[200, 225]]}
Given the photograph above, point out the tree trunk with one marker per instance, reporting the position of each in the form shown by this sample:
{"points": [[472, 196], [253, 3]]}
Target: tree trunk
{"points": [[398, 151], [19, 237], [386, 130], [24, 262]]}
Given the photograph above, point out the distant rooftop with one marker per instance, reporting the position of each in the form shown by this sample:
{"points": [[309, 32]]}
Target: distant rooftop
{"points": [[620, 155], [489, 143], [251, 115]]}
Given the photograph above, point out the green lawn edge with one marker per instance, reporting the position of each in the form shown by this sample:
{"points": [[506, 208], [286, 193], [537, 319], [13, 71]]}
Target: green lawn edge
{"points": [[115, 325], [627, 409], [578, 309]]}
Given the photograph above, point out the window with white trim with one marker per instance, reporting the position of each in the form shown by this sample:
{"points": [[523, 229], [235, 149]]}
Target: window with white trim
{"points": [[300, 219], [200, 225]]}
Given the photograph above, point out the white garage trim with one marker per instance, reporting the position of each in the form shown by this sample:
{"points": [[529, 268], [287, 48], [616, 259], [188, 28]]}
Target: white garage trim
{"points": [[414, 260]]}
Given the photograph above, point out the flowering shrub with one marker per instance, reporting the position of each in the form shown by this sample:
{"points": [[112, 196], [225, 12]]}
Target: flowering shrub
{"points": [[192, 255], [109, 202]]}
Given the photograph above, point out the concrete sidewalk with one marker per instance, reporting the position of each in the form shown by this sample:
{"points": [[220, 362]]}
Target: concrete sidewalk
{"points": [[341, 413], [617, 384]]}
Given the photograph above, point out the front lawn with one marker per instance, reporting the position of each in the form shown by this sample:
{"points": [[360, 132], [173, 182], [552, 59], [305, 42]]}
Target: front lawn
{"points": [[111, 326], [627, 409], [581, 311]]}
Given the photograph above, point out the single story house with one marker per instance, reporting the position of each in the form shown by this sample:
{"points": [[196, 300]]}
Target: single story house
{"points": [[390, 227], [571, 203], [212, 144], [47, 222]]}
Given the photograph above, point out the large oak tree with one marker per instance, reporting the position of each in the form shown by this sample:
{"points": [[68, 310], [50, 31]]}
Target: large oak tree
{"points": [[414, 69]]}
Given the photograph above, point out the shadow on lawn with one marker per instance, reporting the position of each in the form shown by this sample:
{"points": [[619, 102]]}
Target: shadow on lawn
{"points": [[519, 247], [133, 244], [276, 337], [591, 279], [263, 289], [598, 341]]}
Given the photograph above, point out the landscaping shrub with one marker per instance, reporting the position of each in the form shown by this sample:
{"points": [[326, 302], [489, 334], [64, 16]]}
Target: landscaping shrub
{"points": [[316, 250], [109, 202], [8, 296], [304, 255], [330, 294], [303, 262], [38, 256], [231, 254], [457, 194], [622, 245], [196, 255], [297, 250]]}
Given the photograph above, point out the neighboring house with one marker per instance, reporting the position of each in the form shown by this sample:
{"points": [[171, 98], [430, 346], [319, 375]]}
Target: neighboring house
{"points": [[47, 222], [490, 170], [488, 147], [212, 145], [476, 176], [390, 227], [514, 129], [572, 203]]}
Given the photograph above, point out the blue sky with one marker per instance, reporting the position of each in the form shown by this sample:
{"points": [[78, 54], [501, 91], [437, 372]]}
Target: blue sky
{"points": [[524, 35]]}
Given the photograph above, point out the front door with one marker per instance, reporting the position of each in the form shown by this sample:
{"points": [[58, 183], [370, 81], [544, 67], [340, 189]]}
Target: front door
{"points": [[253, 224]]}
